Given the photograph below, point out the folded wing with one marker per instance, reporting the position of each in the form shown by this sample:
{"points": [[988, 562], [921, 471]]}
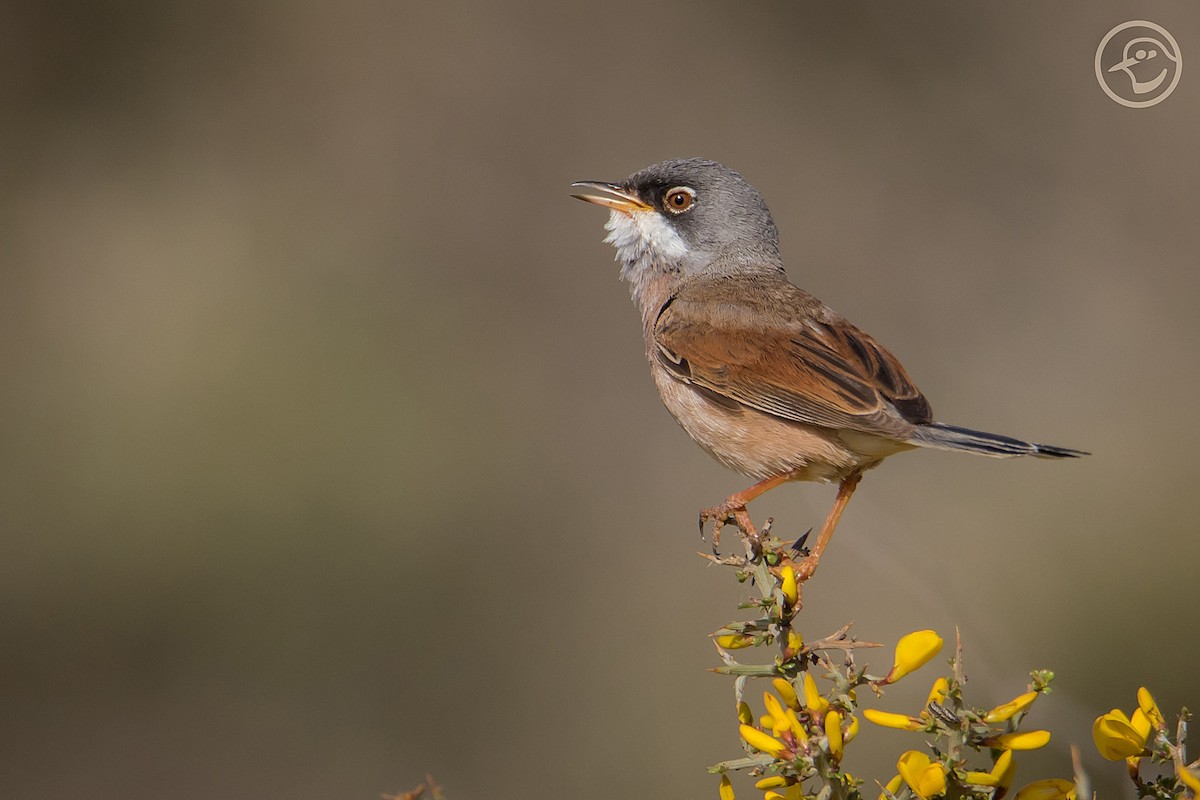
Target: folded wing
{"points": [[784, 353]]}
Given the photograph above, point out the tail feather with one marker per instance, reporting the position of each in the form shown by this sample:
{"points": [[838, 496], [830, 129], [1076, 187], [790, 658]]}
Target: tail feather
{"points": [[951, 437]]}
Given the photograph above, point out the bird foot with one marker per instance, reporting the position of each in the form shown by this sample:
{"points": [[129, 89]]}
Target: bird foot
{"points": [[728, 513]]}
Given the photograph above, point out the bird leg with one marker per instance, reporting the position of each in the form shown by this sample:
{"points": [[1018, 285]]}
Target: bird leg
{"points": [[808, 564], [733, 510]]}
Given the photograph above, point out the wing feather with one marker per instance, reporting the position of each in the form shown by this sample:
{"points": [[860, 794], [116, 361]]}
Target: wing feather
{"points": [[782, 352]]}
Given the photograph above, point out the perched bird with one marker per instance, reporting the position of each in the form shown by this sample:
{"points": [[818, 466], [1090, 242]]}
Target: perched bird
{"points": [[765, 377]]}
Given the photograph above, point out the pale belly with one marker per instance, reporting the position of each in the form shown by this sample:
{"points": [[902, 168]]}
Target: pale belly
{"points": [[761, 445]]}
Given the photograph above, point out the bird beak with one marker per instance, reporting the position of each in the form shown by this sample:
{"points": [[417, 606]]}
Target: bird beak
{"points": [[611, 195]]}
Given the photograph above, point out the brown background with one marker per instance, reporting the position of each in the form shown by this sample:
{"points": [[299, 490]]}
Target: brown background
{"points": [[330, 455]]}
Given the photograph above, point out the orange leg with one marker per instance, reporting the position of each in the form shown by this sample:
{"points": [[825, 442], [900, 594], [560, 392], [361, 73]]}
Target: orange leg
{"points": [[808, 565], [734, 508]]}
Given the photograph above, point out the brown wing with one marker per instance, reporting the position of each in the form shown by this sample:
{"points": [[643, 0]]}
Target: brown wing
{"points": [[773, 347]]}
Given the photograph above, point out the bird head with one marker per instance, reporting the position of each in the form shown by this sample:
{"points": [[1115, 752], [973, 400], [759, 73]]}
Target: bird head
{"points": [[686, 216]]}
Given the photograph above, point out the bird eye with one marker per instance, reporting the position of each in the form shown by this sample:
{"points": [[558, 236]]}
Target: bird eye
{"points": [[679, 199]]}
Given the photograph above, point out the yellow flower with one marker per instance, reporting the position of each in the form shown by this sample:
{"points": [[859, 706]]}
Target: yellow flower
{"points": [[773, 782], [938, 693], [744, 714], [795, 726], [725, 790], [892, 787], [794, 642], [851, 729], [926, 778], [1141, 723], [889, 720], [762, 741], [1116, 737], [775, 713], [1000, 774], [1005, 769], [1007, 711], [787, 692], [912, 652], [1188, 778], [1148, 707], [787, 585], [792, 792], [982, 778], [812, 697], [1023, 740], [735, 641], [833, 732], [1049, 789]]}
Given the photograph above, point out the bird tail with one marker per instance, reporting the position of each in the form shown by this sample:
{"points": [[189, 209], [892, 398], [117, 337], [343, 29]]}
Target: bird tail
{"points": [[950, 437]]}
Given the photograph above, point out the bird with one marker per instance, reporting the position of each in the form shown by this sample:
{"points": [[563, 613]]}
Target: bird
{"points": [[766, 378]]}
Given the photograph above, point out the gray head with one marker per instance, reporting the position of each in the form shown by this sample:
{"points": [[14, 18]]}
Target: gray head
{"points": [[687, 216]]}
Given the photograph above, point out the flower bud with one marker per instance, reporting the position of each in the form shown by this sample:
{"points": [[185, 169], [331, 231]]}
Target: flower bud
{"points": [[787, 692], [735, 641], [787, 586], [772, 782], [762, 741], [889, 720], [774, 709], [852, 729], [1007, 711], [812, 696], [833, 732]]}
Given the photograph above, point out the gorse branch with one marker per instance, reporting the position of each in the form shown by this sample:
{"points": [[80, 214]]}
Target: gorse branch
{"points": [[795, 746], [815, 694]]}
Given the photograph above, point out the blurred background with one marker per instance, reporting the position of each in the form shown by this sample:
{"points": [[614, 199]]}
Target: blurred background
{"points": [[331, 458]]}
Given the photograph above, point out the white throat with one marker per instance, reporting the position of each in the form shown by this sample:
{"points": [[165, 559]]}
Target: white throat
{"points": [[647, 247]]}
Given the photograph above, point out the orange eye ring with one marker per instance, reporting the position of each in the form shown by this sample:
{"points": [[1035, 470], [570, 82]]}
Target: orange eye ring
{"points": [[679, 199]]}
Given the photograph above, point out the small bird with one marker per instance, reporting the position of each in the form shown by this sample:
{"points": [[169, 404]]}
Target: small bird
{"points": [[766, 378]]}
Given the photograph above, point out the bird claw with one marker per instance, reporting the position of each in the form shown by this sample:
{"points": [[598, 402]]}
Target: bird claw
{"points": [[721, 521], [728, 514]]}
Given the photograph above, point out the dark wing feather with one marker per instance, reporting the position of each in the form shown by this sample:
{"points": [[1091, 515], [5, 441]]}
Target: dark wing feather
{"points": [[776, 348]]}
